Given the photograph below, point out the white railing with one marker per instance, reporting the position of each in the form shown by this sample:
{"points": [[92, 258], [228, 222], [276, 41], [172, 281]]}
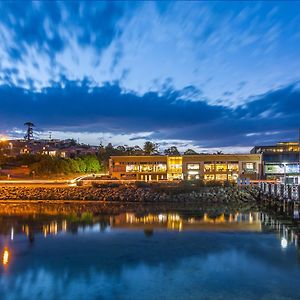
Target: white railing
{"points": [[283, 191]]}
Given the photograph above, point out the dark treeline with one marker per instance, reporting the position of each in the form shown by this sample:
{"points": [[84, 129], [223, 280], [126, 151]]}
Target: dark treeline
{"points": [[149, 148]]}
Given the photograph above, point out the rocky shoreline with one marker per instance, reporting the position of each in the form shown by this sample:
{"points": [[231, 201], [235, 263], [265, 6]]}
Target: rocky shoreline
{"points": [[131, 193]]}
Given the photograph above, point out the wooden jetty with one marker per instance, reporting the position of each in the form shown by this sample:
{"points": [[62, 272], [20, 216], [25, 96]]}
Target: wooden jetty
{"points": [[283, 198]]}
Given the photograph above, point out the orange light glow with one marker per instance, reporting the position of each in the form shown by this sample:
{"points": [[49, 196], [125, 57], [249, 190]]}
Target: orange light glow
{"points": [[5, 257]]}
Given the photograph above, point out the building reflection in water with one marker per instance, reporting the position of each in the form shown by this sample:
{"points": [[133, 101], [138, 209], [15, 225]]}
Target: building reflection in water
{"points": [[5, 256], [149, 223], [286, 234], [238, 221]]}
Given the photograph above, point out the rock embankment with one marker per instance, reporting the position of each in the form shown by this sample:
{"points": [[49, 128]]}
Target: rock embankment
{"points": [[130, 193]]}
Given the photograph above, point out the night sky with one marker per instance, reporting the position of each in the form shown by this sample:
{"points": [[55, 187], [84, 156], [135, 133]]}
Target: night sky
{"points": [[202, 75]]}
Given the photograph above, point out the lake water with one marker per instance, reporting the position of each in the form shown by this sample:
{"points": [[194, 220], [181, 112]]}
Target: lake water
{"points": [[148, 256]]}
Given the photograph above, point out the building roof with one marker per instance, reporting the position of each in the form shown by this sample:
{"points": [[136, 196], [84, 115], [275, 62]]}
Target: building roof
{"points": [[203, 157]]}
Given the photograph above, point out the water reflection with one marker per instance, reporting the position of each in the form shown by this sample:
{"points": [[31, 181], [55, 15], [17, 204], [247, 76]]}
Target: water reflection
{"points": [[287, 234], [149, 223], [149, 255], [5, 256], [171, 221], [52, 225]]}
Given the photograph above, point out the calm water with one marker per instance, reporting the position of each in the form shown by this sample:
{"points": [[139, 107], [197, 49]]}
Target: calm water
{"points": [[162, 256]]}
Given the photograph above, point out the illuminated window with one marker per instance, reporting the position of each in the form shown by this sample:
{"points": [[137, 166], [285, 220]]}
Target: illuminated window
{"points": [[193, 166], [147, 168], [52, 153], [233, 167], [193, 172], [209, 177], [209, 167], [221, 167], [274, 169], [221, 177], [292, 168], [175, 164], [249, 166], [161, 167], [132, 168], [129, 168]]}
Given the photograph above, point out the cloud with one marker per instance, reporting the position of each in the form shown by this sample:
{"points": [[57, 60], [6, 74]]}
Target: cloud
{"points": [[212, 74], [75, 104], [78, 106], [266, 118], [47, 40], [188, 42], [39, 24]]}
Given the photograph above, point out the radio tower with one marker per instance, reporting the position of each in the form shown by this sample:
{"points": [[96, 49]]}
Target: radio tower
{"points": [[29, 134]]}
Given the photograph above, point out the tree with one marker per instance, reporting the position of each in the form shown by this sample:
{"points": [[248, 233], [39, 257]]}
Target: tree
{"points": [[74, 168], [55, 165], [150, 148], [190, 152], [172, 151], [81, 165], [121, 149], [136, 150], [29, 133], [92, 163]]}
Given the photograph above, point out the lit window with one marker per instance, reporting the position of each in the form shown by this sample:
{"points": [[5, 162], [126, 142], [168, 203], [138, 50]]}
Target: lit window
{"points": [[209, 167], [193, 166], [221, 167], [249, 166]]}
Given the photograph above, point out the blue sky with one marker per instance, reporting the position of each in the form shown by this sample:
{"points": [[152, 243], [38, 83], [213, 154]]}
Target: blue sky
{"points": [[207, 75]]}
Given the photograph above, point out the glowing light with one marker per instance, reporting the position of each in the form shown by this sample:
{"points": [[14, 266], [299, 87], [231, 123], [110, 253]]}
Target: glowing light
{"points": [[12, 234], [5, 257], [180, 226], [45, 230], [250, 218], [284, 243], [53, 228], [160, 217], [3, 139], [64, 225]]}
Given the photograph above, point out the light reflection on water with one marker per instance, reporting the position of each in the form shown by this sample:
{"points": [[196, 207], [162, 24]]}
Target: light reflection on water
{"points": [[149, 256]]}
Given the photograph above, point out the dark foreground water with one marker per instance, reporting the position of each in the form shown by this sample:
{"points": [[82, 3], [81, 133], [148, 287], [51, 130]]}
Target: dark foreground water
{"points": [[162, 256]]}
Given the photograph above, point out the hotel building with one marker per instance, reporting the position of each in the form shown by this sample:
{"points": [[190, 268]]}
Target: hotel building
{"points": [[219, 167], [280, 161]]}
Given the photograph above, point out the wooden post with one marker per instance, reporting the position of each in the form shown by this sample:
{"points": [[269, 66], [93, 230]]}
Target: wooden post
{"points": [[282, 190], [289, 192]]}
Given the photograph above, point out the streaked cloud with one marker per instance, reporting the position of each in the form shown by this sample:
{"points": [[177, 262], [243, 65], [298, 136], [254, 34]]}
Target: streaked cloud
{"points": [[210, 73]]}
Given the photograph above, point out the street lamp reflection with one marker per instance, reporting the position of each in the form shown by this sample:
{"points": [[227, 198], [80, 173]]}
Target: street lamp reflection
{"points": [[284, 243]]}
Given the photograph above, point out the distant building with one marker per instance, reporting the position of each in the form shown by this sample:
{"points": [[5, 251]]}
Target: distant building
{"points": [[219, 167], [280, 161], [54, 148]]}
